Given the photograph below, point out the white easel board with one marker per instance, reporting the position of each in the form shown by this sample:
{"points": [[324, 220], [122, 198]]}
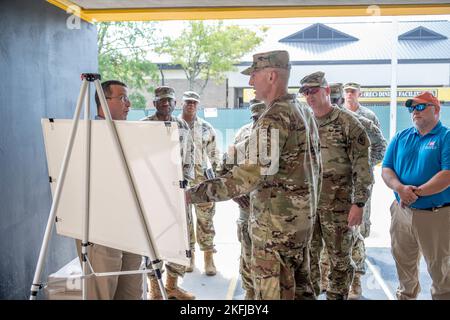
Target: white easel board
{"points": [[152, 151]]}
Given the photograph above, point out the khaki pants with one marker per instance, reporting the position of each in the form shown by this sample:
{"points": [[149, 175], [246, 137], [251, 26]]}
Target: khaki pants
{"points": [[415, 232], [104, 259]]}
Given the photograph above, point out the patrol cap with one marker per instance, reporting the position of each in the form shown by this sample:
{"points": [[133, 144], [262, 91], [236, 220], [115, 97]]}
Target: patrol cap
{"points": [[164, 92], [256, 107], [191, 95], [425, 97], [336, 90], [316, 79], [271, 59], [352, 85]]}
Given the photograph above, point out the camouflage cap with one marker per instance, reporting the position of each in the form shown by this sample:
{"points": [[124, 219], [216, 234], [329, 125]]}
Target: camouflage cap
{"points": [[271, 59], [336, 90], [316, 79], [256, 107], [191, 95], [164, 92], [352, 85]]}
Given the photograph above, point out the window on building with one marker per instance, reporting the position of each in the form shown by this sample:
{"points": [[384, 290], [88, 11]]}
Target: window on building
{"points": [[318, 33], [421, 33]]}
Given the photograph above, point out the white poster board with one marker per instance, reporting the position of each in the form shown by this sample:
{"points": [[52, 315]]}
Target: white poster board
{"points": [[152, 151]]}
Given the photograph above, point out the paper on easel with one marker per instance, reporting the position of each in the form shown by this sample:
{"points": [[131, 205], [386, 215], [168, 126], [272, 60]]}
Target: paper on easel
{"points": [[153, 156]]}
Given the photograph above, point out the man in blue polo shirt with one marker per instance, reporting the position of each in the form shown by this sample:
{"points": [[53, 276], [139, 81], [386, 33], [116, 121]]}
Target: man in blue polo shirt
{"points": [[417, 167]]}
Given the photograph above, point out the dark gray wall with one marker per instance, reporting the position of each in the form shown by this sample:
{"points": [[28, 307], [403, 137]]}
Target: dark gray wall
{"points": [[40, 64]]}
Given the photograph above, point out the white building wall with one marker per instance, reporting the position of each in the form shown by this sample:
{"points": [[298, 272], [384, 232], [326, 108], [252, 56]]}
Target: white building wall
{"points": [[366, 74], [436, 74]]}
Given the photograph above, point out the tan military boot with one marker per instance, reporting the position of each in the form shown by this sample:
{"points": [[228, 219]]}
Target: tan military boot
{"points": [[355, 289], [175, 292], [210, 268], [191, 263], [155, 293]]}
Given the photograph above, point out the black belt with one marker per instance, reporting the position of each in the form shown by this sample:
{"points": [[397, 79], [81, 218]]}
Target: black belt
{"points": [[435, 208]]}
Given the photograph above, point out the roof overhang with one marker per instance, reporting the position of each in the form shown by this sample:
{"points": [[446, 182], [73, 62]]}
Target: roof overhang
{"points": [[145, 10]]}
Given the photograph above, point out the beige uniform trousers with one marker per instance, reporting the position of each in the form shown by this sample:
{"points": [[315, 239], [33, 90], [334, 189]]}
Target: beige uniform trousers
{"points": [[104, 259], [415, 232]]}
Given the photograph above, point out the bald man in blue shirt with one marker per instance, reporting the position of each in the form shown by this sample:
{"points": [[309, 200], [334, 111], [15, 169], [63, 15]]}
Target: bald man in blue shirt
{"points": [[417, 167]]}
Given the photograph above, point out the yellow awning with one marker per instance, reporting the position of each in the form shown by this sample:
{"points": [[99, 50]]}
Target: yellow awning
{"points": [[107, 10]]}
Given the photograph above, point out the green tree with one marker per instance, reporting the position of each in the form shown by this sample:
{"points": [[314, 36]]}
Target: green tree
{"points": [[122, 50], [207, 51]]}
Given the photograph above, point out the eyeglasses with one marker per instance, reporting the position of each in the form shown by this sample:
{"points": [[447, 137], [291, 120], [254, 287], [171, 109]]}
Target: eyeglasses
{"points": [[306, 91], [418, 107], [123, 99]]}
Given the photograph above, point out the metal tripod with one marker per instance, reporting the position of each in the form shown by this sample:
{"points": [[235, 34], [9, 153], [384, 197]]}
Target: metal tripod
{"points": [[155, 262]]}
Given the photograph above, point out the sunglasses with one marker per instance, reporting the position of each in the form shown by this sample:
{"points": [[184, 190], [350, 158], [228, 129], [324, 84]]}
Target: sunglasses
{"points": [[306, 91], [418, 107]]}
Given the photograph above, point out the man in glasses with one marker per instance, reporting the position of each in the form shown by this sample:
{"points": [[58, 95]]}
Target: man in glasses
{"points": [[352, 92], [164, 102], [204, 138], [283, 177], [417, 168], [102, 258], [116, 94], [347, 178]]}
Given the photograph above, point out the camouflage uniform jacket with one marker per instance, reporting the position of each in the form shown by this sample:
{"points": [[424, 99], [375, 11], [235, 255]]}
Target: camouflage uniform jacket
{"points": [[285, 187], [377, 142], [204, 137], [186, 145], [347, 175], [228, 164], [368, 114], [239, 142]]}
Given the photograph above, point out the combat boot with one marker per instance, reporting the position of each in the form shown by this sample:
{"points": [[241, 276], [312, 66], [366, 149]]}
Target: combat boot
{"points": [[191, 263], [155, 293], [175, 292], [355, 289], [210, 268]]}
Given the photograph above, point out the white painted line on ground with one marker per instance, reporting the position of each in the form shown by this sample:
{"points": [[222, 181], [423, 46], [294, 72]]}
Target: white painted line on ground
{"points": [[380, 280], [231, 288]]}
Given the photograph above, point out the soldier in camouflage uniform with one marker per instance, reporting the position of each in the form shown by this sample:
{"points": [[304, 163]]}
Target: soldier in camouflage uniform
{"points": [[204, 137], [352, 92], [256, 108], [345, 189], [283, 176], [377, 149], [164, 102]]}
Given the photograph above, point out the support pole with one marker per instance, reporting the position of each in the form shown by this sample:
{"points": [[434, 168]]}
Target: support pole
{"points": [[36, 285], [85, 223], [394, 64]]}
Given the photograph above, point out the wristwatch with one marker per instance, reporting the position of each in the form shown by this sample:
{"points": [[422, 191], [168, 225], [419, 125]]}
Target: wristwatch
{"points": [[360, 204]]}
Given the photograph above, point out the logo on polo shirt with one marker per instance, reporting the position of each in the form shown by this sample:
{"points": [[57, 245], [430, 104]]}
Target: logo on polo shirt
{"points": [[431, 145]]}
